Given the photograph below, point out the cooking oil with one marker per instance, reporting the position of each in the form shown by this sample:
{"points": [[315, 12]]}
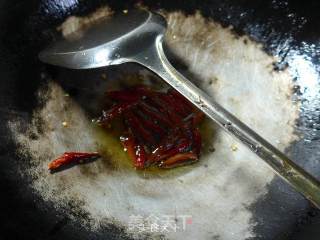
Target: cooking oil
{"points": [[112, 151]]}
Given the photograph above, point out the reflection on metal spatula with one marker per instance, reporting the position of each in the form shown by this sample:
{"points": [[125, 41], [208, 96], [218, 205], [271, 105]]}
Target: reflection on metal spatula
{"points": [[138, 37]]}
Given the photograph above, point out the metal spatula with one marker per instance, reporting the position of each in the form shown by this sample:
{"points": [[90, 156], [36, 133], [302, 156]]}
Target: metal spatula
{"points": [[138, 37]]}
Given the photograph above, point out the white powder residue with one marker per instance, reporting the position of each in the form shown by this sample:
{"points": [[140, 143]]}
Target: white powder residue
{"points": [[215, 192], [73, 27]]}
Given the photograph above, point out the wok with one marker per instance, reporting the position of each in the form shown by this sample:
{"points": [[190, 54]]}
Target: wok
{"points": [[286, 29]]}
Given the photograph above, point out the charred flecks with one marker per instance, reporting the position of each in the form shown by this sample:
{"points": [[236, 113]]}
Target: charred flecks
{"points": [[160, 127]]}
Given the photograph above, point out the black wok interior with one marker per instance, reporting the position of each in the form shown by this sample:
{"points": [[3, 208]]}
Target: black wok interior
{"points": [[282, 26]]}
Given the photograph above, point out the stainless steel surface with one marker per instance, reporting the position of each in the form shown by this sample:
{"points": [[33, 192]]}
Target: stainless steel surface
{"points": [[138, 37]]}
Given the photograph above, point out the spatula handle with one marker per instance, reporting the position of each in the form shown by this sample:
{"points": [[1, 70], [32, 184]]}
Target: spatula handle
{"points": [[155, 59]]}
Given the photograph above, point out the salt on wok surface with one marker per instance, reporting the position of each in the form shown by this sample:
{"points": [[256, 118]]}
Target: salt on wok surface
{"points": [[217, 191]]}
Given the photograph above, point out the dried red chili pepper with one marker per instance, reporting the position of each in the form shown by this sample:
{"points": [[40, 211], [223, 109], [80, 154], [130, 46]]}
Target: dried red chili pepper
{"points": [[161, 127], [71, 157]]}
